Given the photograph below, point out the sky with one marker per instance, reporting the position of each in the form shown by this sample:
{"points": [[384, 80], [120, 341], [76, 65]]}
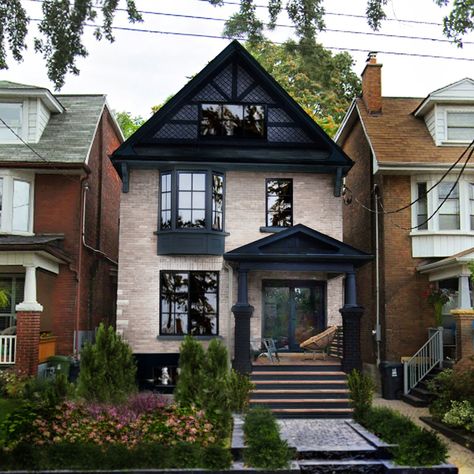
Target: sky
{"points": [[141, 69]]}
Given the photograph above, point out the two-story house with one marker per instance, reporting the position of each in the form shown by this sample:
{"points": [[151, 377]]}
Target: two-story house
{"points": [[410, 202], [59, 217], [231, 221]]}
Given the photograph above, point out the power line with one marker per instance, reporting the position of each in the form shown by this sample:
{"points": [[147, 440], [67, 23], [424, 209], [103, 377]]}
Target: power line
{"points": [[326, 30]]}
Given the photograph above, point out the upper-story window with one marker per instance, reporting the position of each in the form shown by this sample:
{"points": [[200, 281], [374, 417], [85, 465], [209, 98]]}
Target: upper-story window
{"points": [[15, 204], [449, 213], [460, 126], [279, 197], [233, 120], [11, 113], [195, 201]]}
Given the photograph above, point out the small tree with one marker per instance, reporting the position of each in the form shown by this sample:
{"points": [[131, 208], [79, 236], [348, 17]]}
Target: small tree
{"points": [[362, 389], [108, 369]]}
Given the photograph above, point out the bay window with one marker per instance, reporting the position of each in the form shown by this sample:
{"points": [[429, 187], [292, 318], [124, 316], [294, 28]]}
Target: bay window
{"points": [[449, 213], [189, 303]]}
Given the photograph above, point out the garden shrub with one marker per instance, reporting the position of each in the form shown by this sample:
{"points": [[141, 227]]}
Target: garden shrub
{"points": [[461, 415], [415, 446], [239, 389], [362, 389], [48, 391], [12, 385], [108, 368], [264, 447]]}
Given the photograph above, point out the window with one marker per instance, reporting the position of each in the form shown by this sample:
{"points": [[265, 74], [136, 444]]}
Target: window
{"points": [[422, 207], [279, 202], [15, 202], [449, 218], [11, 114], [189, 303], [471, 205], [460, 126], [13, 286], [199, 200], [232, 120]]}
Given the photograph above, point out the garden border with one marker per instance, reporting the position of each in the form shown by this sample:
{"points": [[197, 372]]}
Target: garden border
{"points": [[453, 434]]}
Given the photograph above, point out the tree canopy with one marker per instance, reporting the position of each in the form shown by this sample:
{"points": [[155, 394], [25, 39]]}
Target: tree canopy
{"points": [[62, 26]]}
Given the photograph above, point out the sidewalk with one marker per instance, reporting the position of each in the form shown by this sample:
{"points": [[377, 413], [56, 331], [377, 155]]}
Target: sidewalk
{"points": [[459, 456]]}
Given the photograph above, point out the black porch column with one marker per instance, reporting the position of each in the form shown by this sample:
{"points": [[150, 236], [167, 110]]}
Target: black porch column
{"points": [[242, 313], [351, 314]]}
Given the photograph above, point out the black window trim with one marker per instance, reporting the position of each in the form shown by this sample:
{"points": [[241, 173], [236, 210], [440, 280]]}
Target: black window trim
{"points": [[209, 172], [215, 138], [266, 204], [174, 336]]}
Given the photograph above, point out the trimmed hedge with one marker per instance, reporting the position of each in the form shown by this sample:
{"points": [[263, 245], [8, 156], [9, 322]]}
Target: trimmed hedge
{"points": [[415, 446], [91, 456]]}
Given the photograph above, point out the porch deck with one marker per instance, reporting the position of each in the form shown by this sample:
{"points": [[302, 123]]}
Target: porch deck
{"points": [[298, 358]]}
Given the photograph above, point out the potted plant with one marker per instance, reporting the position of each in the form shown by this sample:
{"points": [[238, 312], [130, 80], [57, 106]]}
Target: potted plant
{"points": [[438, 297]]}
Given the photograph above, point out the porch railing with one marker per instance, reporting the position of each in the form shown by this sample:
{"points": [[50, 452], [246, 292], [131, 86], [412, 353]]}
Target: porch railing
{"points": [[7, 350], [335, 349], [428, 356]]}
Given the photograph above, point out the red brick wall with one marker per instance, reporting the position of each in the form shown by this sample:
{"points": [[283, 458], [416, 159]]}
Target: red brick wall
{"points": [[27, 333]]}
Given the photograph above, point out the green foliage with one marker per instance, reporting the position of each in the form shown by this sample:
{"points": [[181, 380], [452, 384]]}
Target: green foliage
{"points": [[19, 423], [89, 456], [323, 84], [362, 393], [108, 368], [12, 385], [451, 385], [415, 446], [461, 415], [48, 391], [239, 388], [128, 124], [264, 447], [189, 388]]}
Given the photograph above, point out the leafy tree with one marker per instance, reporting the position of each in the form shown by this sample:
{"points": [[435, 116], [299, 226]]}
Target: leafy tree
{"points": [[62, 26], [108, 368], [322, 83], [129, 124]]}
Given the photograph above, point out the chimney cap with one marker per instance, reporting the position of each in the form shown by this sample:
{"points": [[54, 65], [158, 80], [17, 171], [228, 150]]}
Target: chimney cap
{"points": [[372, 57]]}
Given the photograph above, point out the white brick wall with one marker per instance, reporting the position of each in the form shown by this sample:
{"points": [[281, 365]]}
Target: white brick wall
{"points": [[139, 268]]}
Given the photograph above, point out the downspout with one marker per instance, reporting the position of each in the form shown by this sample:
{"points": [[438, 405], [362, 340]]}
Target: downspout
{"points": [[378, 335]]}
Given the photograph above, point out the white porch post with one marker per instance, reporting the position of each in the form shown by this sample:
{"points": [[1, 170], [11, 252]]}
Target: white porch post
{"points": [[29, 301], [464, 294]]}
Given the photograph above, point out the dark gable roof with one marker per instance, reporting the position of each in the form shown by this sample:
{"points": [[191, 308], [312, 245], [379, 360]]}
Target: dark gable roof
{"points": [[233, 76], [298, 244]]}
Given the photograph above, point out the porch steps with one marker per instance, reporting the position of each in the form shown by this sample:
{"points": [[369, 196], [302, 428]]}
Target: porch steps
{"points": [[316, 390], [420, 396]]}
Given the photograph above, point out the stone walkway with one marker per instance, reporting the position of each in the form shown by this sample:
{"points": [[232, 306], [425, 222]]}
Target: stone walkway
{"points": [[459, 456]]}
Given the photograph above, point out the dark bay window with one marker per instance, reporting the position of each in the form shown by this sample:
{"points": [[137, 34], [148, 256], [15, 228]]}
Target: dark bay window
{"points": [[279, 197], [189, 303], [217, 202], [191, 200], [166, 201], [233, 120]]}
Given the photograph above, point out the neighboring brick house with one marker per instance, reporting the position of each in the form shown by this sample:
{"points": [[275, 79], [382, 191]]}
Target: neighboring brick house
{"points": [[401, 148], [59, 219], [231, 221]]}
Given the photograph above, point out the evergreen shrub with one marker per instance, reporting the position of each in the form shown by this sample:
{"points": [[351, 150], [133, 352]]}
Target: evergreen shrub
{"points": [[362, 389]]}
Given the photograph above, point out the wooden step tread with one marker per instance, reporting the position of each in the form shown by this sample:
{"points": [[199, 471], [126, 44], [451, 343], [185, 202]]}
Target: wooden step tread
{"points": [[312, 410], [303, 390], [302, 382], [299, 400], [305, 373]]}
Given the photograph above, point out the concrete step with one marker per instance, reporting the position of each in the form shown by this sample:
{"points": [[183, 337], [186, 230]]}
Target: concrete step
{"points": [[312, 412], [326, 367], [414, 400], [292, 375], [299, 393], [350, 466]]}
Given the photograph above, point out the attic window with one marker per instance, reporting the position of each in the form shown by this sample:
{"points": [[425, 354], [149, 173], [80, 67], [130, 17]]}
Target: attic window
{"points": [[233, 120], [460, 126], [11, 114]]}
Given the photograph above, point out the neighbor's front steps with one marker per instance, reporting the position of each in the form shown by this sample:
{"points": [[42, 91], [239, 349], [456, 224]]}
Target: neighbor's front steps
{"points": [[316, 390], [420, 396]]}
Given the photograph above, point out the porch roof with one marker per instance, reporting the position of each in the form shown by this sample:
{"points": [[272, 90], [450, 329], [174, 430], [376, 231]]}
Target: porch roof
{"points": [[299, 248]]}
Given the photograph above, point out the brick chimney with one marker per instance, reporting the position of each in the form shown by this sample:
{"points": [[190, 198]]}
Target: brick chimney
{"points": [[372, 84]]}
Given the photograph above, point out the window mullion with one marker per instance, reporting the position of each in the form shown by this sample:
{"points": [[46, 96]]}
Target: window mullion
{"points": [[174, 199], [209, 190]]}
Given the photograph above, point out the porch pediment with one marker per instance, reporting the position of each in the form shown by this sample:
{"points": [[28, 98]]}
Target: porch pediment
{"points": [[298, 243]]}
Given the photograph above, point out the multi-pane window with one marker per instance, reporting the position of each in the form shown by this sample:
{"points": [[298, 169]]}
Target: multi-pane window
{"points": [[189, 302], [191, 200], [16, 199], [422, 207], [11, 114], [233, 120], [13, 287], [21, 206], [460, 126], [217, 201], [471, 205], [449, 218], [166, 201], [279, 196]]}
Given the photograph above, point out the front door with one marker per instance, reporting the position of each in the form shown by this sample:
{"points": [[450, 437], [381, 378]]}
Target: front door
{"points": [[293, 311]]}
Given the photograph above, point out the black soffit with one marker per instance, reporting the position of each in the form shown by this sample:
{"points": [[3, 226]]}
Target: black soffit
{"points": [[298, 244], [308, 143]]}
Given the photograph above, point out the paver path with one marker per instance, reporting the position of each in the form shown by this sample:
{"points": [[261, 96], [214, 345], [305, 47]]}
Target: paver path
{"points": [[459, 456], [322, 435]]}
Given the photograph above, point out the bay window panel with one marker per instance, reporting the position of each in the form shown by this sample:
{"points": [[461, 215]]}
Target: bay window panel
{"points": [[422, 207], [449, 218], [471, 205], [1, 202], [21, 206]]}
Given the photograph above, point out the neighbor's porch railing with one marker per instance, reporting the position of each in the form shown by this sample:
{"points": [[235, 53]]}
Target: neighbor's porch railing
{"points": [[7, 350], [429, 356]]}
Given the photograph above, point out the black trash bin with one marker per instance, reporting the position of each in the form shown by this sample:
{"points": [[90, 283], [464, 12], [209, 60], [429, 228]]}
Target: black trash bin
{"points": [[392, 380]]}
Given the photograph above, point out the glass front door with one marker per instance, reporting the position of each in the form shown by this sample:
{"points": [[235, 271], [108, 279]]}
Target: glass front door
{"points": [[293, 311]]}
